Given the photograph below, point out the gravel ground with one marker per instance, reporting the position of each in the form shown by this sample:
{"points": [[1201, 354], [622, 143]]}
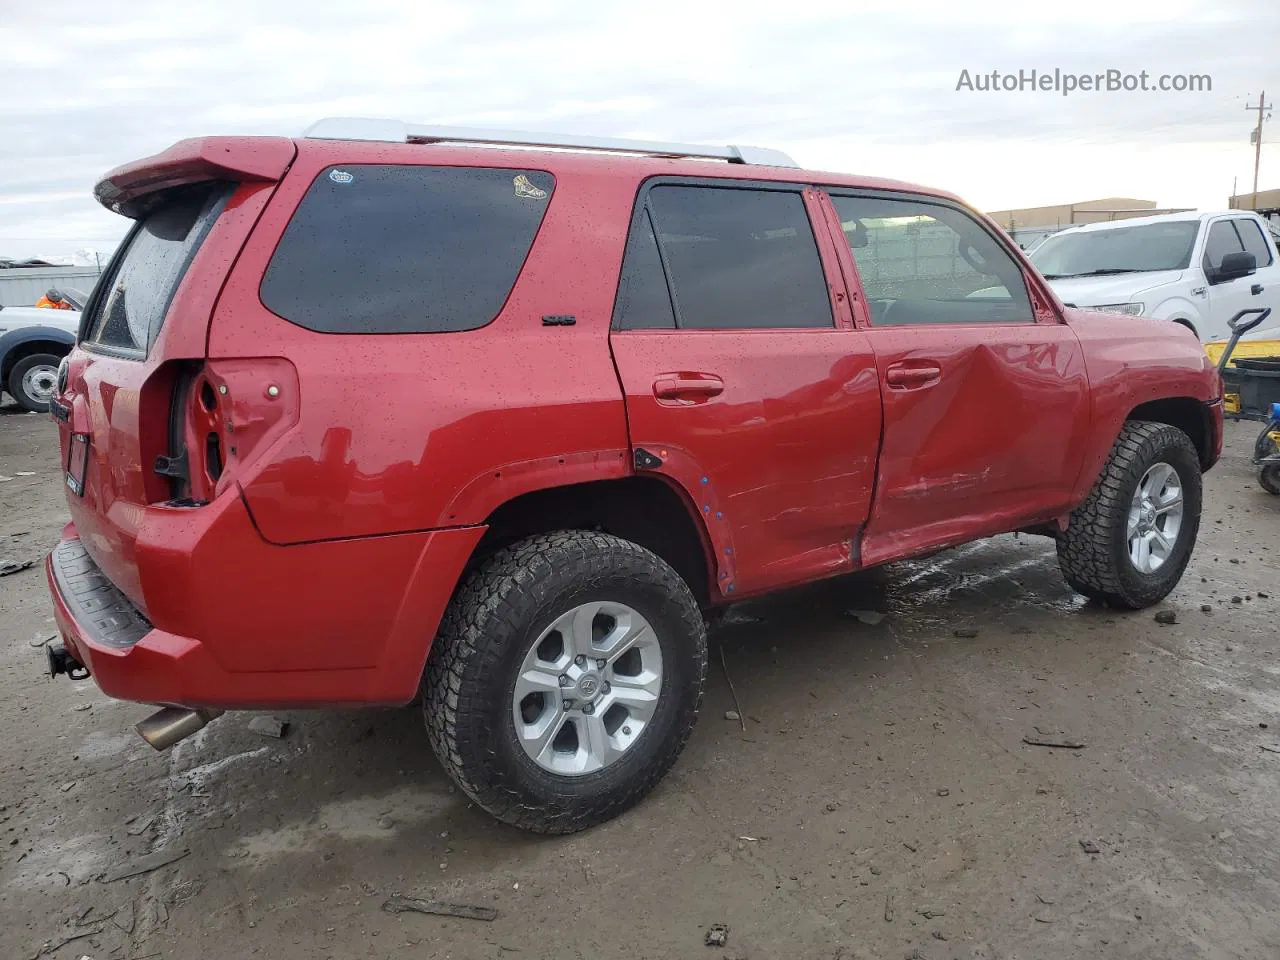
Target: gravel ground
{"points": [[882, 802]]}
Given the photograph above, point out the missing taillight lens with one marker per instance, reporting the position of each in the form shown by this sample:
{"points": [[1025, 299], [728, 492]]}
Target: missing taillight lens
{"points": [[213, 456]]}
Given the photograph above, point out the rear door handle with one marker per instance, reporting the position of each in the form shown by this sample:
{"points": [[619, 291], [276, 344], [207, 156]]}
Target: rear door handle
{"points": [[914, 376], [675, 387]]}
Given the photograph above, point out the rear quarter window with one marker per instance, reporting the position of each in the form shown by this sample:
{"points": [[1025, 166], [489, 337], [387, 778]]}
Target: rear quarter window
{"points": [[405, 249]]}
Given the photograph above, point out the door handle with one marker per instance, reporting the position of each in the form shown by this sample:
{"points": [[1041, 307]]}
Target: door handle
{"points": [[1256, 289], [913, 377], [687, 388]]}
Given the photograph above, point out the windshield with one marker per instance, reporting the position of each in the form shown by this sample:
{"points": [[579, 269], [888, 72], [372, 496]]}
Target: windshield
{"points": [[1152, 246]]}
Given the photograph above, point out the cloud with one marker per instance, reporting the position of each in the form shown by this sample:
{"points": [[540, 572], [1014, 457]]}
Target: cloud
{"points": [[864, 87]]}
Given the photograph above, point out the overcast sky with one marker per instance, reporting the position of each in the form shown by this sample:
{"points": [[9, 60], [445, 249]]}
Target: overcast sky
{"points": [[861, 87]]}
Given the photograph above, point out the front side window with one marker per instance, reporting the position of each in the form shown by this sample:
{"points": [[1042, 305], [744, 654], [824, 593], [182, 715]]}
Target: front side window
{"points": [[1253, 240], [1222, 240], [924, 262], [405, 249], [739, 258]]}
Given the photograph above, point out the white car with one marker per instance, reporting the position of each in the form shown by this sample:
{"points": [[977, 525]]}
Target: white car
{"points": [[33, 341], [1196, 269]]}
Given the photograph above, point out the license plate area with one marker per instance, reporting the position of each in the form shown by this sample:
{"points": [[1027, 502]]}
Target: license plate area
{"points": [[77, 462]]}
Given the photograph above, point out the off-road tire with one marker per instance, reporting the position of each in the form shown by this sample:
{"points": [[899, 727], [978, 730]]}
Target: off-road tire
{"points": [[1093, 551], [492, 621], [15, 385]]}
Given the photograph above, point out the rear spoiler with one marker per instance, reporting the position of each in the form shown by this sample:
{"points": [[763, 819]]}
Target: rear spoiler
{"points": [[125, 189]]}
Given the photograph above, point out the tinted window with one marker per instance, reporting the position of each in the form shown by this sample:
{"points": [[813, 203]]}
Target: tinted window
{"points": [[643, 299], [926, 263], [405, 249], [740, 258], [1222, 240], [129, 313], [1149, 247], [1254, 242]]}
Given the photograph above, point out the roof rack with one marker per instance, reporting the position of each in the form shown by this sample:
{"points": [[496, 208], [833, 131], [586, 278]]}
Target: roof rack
{"points": [[397, 131]]}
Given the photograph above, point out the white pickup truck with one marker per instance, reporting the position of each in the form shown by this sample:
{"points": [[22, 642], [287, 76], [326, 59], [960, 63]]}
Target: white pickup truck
{"points": [[1196, 269], [33, 341]]}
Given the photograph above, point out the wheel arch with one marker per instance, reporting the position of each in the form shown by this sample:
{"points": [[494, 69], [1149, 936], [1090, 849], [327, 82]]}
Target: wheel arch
{"points": [[1178, 309], [646, 509], [24, 342], [1188, 414]]}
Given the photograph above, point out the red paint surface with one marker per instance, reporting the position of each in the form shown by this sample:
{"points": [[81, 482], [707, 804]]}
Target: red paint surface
{"points": [[123, 404], [243, 623], [992, 438], [320, 569], [787, 449]]}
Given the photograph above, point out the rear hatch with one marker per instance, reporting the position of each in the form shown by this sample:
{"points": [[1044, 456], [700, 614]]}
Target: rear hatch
{"points": [[132, 398]]}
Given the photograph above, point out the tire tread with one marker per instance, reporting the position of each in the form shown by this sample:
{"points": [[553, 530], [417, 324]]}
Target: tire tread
{"points": [[486, 615], [1086, 549]]}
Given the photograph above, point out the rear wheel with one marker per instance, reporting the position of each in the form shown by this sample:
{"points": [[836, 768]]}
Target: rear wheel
{"points": [[1130, 541], [565, 679], [33, 381]]}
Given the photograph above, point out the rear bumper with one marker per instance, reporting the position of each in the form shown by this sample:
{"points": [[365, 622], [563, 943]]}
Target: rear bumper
{"points": [[238, 623]]}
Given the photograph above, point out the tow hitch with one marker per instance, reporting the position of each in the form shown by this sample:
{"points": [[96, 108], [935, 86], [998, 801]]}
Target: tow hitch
{"points": [[62, 662]]}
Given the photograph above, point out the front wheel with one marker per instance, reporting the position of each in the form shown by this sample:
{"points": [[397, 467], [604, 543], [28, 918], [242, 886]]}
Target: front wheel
{"points": [[565, 679], [1130, 541], [33, 380]]}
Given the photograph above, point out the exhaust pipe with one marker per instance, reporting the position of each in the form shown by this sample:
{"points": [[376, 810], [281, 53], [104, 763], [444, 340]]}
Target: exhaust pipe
{"points": [[167, 726]]}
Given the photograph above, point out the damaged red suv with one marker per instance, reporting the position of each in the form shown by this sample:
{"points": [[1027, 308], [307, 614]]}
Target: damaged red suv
{"points": [[391, 409]]}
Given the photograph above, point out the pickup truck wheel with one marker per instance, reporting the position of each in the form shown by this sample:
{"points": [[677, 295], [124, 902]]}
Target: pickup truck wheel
{"points": [[33, 380], [1130, 541], [565, 679]]}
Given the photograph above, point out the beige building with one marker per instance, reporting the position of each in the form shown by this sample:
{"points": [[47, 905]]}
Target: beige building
{"points": [[1267, 201], [1086, 211], [1032, 224]]}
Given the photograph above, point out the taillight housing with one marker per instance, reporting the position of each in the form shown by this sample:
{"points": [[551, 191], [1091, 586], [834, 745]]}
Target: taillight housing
{"points": [[225, 414]]}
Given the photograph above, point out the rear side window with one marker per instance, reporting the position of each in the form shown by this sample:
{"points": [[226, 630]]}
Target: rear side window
{"points": [[127, 315], [405, 249], [1254, 242], [740, 258], [643, 300]]}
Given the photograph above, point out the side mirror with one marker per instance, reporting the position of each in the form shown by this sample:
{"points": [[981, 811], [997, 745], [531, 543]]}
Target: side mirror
{"points": [[857, 236], [1234, 266]]}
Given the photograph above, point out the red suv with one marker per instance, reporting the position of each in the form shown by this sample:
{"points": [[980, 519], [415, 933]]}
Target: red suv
{"points": [[390, 409]]}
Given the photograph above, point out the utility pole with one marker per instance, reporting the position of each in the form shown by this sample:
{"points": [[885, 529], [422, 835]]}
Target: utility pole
{"points": [[1263, 107]]}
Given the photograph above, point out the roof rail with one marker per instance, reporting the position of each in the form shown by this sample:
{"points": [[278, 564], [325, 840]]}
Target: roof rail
{"points": [[397, 131]]}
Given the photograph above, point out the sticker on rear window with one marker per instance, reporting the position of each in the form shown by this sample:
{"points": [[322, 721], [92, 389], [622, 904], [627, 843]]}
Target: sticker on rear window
{"points": [[340, 176], [527, 190]]}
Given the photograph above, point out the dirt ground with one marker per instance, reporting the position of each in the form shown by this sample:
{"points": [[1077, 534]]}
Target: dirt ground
{"points": [[881, 803]]}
